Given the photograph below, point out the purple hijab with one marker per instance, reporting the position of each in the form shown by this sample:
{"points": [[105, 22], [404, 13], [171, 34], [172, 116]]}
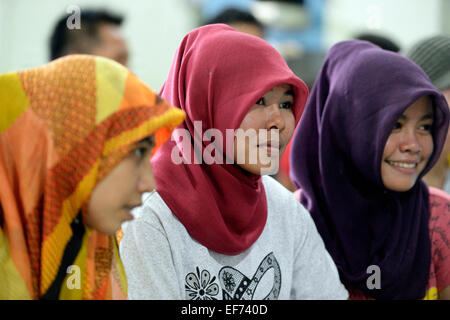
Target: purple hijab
{"points": [[336, 155]]}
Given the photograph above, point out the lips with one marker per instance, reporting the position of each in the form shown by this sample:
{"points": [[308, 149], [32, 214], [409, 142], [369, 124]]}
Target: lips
{"points": [[270, 148], [269, 144], [408, 167], [403, 164]]}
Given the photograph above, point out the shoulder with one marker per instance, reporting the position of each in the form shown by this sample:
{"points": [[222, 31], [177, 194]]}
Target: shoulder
{"points": [[282, 204], [155, 222], [439, 222], [439, 225], [277, 195], [438, 195], [439, 203], [154, 212], [275, 189]]}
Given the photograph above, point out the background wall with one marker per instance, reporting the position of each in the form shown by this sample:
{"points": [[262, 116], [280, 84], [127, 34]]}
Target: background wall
{"points": [[154, 28], [404, 21]]}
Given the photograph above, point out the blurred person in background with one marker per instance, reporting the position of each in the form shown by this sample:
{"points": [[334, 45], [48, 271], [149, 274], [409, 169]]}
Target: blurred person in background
{"points": [[382, 41], [99, 35], [240, 20], [433, 56]]}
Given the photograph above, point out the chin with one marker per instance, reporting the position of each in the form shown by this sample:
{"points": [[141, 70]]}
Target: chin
{"points": [[108, 232], [269, 171], [261, 170], [400, 187]]}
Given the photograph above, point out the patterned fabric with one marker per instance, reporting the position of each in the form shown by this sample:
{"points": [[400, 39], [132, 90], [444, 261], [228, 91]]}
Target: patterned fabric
{"points": [[440, 243], [63, 127]]}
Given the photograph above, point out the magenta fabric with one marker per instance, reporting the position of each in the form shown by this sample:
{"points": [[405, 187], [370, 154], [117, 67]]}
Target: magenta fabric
{"points": [[336, 155], [217, 75]]}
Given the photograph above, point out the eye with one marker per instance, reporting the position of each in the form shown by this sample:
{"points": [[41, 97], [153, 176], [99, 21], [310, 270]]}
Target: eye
{"points": [[286, 105], [426, 127], [260, 101], [140, 151], [397, 126]]}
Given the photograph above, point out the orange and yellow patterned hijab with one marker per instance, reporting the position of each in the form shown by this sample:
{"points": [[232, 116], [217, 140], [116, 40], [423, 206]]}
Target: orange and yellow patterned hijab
{"points": [[63, 127]]}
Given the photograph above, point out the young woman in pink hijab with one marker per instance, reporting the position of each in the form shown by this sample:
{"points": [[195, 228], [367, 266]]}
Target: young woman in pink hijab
{"points": [[219, 229]]}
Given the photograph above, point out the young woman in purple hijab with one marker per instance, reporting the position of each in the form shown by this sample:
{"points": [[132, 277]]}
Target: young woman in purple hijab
{"points": [[373, 126]]}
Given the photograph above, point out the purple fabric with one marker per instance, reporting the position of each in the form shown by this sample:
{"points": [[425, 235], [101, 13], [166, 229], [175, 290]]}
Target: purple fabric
{"points": [[336, 155]]}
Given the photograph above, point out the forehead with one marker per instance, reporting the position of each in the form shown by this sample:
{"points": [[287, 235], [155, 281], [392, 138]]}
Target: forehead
{"points": [[283, 88], [421, 106]]}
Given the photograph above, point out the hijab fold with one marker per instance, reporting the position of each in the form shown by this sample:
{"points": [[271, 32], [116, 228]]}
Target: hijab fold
{"points": [[336, 156], [216, 76]]}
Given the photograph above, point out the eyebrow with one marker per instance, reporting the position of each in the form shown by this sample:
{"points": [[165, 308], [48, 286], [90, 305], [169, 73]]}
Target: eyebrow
{"points": [[150, 140], [428, 116], [289, 93]]}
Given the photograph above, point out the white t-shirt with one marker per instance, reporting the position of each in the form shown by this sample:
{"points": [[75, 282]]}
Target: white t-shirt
{"points": [[288, 261]]}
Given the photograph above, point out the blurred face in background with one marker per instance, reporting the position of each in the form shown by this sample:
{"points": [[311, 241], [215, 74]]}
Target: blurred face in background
{"points": [[249, 28], [111, 44]]}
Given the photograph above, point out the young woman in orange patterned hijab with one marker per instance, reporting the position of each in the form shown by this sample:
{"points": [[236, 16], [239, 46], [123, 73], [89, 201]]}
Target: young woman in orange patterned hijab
{"points": [[75, 140]]}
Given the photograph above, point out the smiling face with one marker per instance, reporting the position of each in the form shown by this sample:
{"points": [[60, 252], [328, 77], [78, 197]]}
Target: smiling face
{"points": [[408, 147], [120, 191], [271, 112]]}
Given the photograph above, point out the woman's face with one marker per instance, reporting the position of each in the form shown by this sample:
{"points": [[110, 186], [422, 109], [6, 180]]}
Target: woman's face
{"points": [[272, 112], [408, 147], [120, 191]]}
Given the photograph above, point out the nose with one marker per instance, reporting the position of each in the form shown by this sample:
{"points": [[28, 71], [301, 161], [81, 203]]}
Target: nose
{"points": [[410, 142], [274, 120], [146, 182]]}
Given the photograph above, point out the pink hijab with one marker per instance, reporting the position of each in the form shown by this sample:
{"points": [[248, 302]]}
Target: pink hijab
{"points": [[217, 75]]}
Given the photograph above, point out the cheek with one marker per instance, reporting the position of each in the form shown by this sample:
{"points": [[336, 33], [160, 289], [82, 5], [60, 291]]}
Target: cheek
{"points": [[110, 195], [389, 148], [97, 208], [427, 146], [289, 125], [241, 148], [254, 119]]}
